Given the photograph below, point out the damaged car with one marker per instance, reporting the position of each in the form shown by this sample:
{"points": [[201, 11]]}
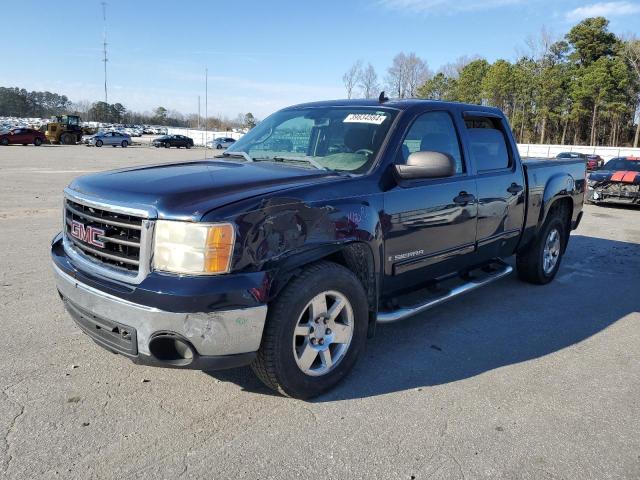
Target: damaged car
{"points": [[617, 182]]}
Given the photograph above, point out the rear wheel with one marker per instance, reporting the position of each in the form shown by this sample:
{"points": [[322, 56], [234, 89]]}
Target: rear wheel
{"points": [[314, 333], [4, 141], [541, 262], [37, 142], [219, 146]]}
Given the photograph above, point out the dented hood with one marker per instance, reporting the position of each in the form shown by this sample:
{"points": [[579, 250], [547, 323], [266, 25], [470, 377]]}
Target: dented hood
{"points": [[189, 190]]}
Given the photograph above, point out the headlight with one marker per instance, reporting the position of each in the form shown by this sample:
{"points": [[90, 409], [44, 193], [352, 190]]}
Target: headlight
{"points": [[193, 248]]}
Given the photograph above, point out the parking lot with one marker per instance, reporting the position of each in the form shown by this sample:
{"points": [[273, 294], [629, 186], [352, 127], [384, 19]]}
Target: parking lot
{"points": [[511, 381]]}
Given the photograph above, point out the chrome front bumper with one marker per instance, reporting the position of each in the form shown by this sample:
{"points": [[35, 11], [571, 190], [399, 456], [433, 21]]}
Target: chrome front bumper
{"points": [[218, 333]]}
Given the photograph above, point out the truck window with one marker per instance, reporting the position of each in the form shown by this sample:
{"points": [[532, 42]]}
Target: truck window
{"points": [[487, 143], [433, 131]]}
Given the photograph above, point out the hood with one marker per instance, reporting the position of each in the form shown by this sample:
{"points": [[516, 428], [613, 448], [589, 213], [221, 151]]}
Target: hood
{"points": [[189, 190], [625, 176]]}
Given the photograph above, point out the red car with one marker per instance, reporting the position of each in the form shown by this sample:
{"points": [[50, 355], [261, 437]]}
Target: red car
{"points": [[594, 162], [22, 136]]}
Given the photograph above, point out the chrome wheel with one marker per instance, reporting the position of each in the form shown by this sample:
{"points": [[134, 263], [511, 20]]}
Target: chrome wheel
{"points": [[323, 333], [551, 252]]}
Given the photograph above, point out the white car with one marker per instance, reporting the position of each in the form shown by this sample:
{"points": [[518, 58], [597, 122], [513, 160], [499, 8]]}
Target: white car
{"points": [[221, 142]]}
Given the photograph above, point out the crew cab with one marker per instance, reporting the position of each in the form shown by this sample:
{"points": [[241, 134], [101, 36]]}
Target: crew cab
{"points": [[287, 260]]}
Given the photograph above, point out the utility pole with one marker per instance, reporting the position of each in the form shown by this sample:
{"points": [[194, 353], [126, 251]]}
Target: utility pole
{"points": [[104, 48], [206, 108], [198, 112]]}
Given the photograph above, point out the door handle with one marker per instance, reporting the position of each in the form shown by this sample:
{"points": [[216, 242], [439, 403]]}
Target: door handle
{"points": [[515, 189], [463, 198]]}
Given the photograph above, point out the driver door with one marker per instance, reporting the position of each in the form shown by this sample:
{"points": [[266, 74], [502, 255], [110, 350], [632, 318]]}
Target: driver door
{"points": [[432, 222]]}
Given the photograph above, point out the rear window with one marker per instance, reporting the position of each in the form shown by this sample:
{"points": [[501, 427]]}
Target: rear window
{"points": [[488, 144]]}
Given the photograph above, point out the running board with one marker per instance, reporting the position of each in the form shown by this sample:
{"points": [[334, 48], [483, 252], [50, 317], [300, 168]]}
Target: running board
{"points": [[402, 313]]}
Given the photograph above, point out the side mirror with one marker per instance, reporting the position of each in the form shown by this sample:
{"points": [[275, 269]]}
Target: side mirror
{"points": [[427, 165]]}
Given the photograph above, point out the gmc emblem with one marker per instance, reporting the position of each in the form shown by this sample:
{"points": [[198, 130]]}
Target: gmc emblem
{"points": [[87, 234]]}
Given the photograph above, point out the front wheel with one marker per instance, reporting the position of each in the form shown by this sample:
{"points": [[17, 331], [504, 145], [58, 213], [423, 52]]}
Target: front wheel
{"points": [[541, 262], [314, 333], [124, 144], [4, 142], [99, 143], [167, 145], [219, 146], [37, 142]]}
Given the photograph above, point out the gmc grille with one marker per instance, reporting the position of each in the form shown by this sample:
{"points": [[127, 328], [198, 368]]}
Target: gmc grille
{"points": [[121, 239]]}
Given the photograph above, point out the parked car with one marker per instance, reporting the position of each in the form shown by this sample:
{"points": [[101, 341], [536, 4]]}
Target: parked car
{"points": [[571, 155], [221, 142], [594, 162], [113, 138], [168, 141], [288, 262], [618, 181], [24, 136]]}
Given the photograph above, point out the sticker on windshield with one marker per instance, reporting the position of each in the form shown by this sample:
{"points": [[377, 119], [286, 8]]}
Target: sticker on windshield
{"points": [[373, 118]]}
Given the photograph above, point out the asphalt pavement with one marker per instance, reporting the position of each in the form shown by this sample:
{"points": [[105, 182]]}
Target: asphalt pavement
{"points": [[510, 381]]}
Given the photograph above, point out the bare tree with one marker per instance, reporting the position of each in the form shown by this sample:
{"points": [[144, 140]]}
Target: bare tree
{"points": [[453, 69], [406, 74], [368, 82], [417, 73], [396, 75], [351, 76]]}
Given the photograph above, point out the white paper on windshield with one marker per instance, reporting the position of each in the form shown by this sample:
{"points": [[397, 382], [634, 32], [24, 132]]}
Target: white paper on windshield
{"points": [[365, 118]]}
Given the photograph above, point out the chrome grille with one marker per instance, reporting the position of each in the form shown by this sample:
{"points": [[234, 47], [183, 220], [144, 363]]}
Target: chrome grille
{"points": [[111, 240], [121, 238]]}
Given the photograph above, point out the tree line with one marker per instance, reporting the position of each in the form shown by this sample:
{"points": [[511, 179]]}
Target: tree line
{"points": [[18, 102], [583, 88]]}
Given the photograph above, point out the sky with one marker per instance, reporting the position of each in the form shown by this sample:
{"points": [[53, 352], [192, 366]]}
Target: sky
{"points": [[262, 55]]}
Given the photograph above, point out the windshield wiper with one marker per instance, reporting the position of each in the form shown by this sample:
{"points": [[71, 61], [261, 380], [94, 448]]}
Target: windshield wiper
{"points": [[308, 160], [239, 154]]}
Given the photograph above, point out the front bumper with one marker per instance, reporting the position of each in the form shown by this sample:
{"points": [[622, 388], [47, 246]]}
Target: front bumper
{"points": [[218, 338]]}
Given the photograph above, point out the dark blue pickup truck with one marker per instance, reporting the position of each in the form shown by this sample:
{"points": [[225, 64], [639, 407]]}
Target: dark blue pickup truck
{"points": [[324, 220]]}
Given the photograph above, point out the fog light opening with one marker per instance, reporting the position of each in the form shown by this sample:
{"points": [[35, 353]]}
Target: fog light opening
{"points": [[171, 349]]}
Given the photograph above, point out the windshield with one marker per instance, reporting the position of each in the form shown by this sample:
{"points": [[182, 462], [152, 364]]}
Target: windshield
{"points": [[336, 138], [622, 164]]}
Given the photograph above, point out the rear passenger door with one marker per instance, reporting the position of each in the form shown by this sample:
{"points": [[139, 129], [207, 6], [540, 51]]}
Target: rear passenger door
{"points": [[431, 222], [500, 183]]}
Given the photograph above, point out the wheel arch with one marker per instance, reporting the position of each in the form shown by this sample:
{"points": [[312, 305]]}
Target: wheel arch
{"points": [[355, 256]]}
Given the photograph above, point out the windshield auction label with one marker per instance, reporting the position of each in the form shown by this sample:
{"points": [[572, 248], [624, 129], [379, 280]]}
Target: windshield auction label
{"points": [[365, 118]]}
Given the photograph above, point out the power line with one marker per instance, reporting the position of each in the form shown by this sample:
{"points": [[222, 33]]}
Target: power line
{"points": [[104, 47]]}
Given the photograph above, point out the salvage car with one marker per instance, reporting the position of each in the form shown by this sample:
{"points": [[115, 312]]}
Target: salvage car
{"points": [[22, 136], [286, 260], [177, 141], [617, 182]]}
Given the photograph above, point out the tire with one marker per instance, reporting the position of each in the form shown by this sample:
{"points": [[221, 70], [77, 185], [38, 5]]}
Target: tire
{"points": [[124, 144], [67, 139], [531, 264], [279, 361], [219, 146], [4, 142], [188, 146], [167, 145], [99, 143], [37, 142]]}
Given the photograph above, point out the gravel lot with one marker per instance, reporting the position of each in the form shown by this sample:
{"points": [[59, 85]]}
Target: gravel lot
{"points": [[513, 381]]}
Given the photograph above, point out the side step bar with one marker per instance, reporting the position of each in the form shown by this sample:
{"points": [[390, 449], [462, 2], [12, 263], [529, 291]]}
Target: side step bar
{"points": [[503, 270]]}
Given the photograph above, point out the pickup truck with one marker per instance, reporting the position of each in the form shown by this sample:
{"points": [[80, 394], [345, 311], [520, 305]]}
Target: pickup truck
{"points": [[323, 221]]}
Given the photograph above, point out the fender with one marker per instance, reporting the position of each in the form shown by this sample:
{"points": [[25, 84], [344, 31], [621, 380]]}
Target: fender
{"points": [[560, 185]]}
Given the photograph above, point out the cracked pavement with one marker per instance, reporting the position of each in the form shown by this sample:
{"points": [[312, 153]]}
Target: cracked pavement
{"points": [[511, 381]]}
